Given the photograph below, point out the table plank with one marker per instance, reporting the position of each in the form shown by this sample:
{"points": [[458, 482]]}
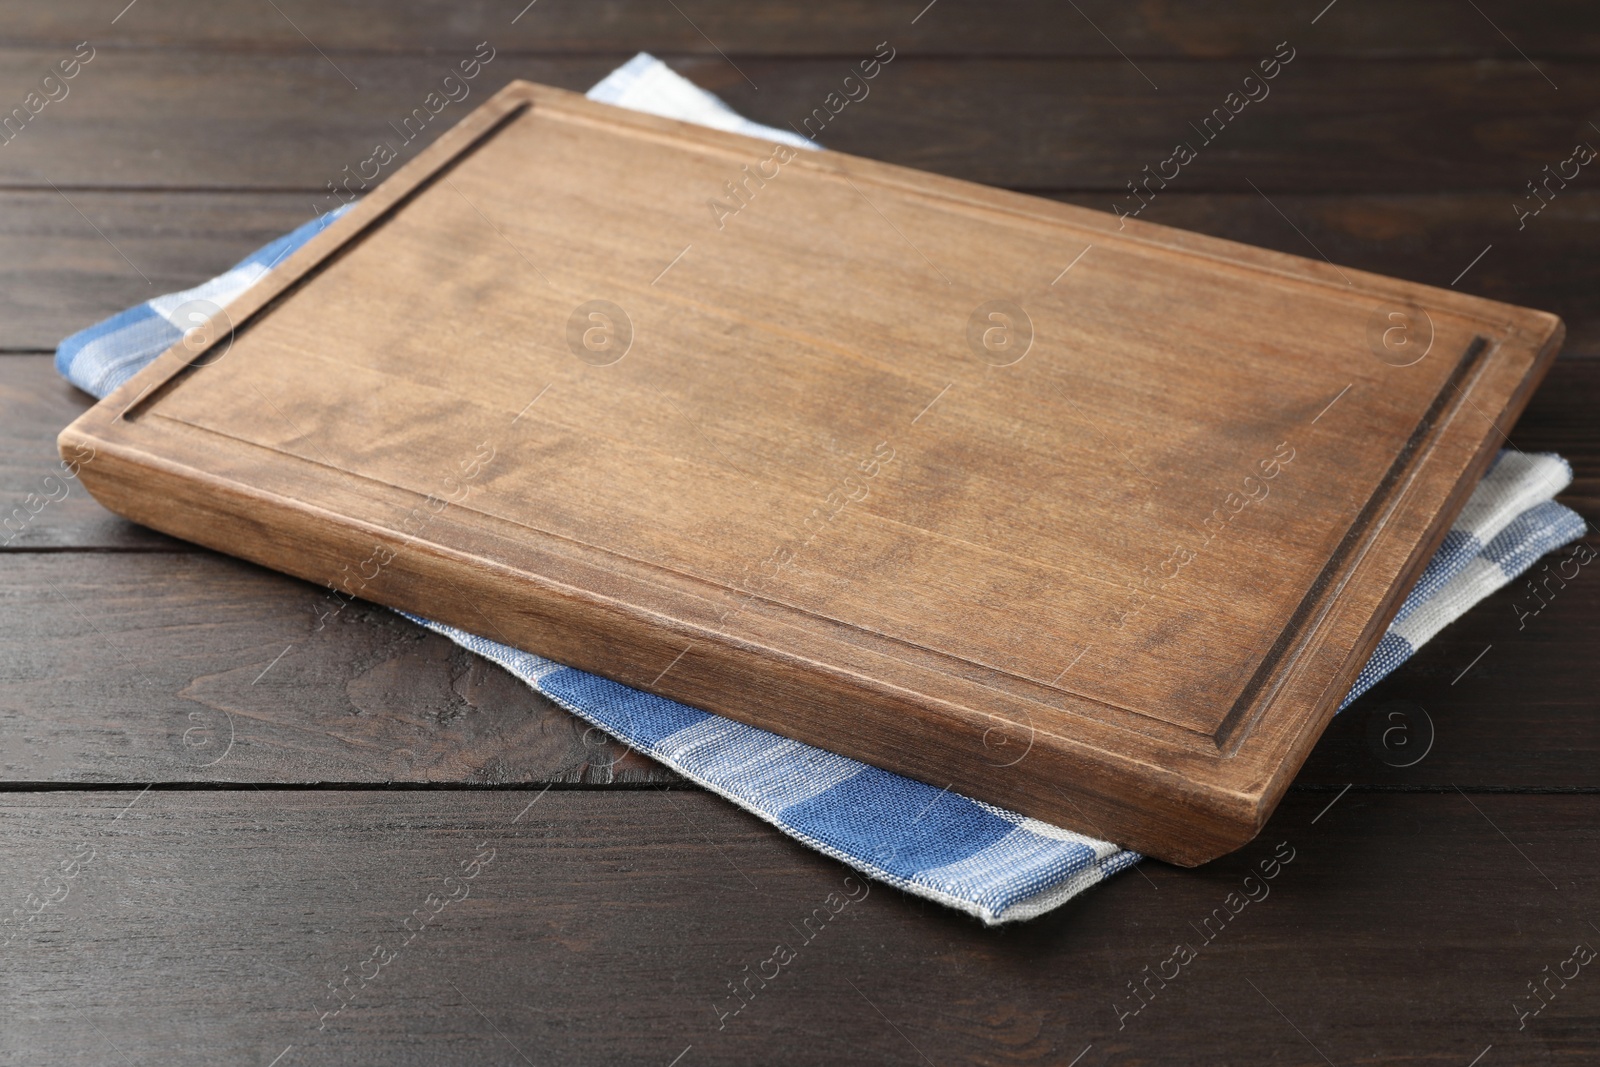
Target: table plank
{"points": [[188, 666], [219, 119], [58, 275], [607, 926], [1156, 28], [41, 506]]}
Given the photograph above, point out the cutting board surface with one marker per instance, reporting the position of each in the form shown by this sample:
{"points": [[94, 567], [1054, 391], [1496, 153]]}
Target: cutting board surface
{"points": [[1083, 516]]}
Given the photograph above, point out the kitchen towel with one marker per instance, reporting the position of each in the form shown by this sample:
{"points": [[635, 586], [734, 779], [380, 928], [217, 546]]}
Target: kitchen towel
{"points": [[991, 863]]}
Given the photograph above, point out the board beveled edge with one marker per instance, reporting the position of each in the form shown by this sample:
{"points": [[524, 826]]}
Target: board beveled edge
{"points": [[1339, 567], [1193, 819], [1191, 822], [1522, 358]]}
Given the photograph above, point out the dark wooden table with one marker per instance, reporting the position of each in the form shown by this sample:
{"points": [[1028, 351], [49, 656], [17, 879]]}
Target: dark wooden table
{"points": [[213, 813]]}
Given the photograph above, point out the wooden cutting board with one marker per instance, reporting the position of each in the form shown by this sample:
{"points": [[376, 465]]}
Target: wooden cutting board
{"points": [[1083, 516]]}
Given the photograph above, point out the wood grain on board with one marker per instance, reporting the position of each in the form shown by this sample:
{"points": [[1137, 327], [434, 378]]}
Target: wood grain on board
{"points": [[654, 520], [76, 719], [59, 275]]}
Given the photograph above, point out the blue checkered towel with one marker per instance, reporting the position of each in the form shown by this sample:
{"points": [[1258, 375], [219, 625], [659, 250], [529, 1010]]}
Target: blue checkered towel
{"points": [[984, 860]]}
